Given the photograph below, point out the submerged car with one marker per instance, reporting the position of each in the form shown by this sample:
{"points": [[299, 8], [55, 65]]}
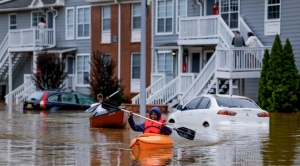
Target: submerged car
{"points": [[57, 100], [218, 110]]}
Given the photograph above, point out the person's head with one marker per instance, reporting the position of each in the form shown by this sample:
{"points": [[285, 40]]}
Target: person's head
{"points": [[100, 98], [237, 33], [250, 34], [43, 19], [155, 113]]}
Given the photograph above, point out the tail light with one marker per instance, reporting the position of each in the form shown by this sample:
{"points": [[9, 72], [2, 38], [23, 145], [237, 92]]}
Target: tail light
{"points": [[43, 101], [227, 112], [263, 114]]}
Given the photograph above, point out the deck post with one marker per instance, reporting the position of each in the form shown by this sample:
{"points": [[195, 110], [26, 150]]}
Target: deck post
{"points": [[230, 86], [9, 72]]}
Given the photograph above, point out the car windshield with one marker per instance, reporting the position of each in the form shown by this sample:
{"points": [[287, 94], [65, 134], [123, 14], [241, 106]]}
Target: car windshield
{"points": [[236, 102], [36, 95]]}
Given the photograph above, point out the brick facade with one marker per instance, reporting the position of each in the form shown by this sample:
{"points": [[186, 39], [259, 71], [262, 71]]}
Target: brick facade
{"points": [[127, 47]]}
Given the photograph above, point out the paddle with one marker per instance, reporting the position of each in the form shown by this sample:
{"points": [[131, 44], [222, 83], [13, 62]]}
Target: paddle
{"points": [[94, 107], [182, 131]]}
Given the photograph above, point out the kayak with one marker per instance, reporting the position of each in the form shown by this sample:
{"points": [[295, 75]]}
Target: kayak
{"points": [[116, 119], [149, 141]]}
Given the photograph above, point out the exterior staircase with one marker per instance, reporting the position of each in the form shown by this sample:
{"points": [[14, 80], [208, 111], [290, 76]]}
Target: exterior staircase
{"points": [[16, 42], [226, 62]]}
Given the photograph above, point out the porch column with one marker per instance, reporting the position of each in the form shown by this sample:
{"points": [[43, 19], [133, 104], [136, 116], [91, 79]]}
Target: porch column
{"points": [[180, 57], [243, 87], [9, 72], [230, 86], [34, 60], [217, 86]]}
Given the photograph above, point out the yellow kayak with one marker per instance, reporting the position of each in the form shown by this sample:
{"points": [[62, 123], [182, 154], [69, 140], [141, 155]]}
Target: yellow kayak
{"points": [[148, 141]]}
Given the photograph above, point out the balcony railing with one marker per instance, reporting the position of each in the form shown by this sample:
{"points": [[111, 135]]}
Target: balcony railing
{"points": [[32, 37]]}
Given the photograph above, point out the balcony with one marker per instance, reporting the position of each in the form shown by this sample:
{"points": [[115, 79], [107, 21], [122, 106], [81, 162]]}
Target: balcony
{"points": [[30, 39]]}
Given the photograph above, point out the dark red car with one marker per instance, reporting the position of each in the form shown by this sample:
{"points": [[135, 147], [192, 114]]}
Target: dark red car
{"points": [[57, 100]]}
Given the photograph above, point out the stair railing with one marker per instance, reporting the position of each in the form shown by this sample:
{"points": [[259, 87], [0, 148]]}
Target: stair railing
{"points": [[16, 93], [171, 90], [244, 29], [157, 85], [201, 81], [3, 51]]}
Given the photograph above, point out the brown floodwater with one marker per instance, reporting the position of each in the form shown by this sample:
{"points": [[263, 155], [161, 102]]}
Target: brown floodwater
{"points": [[65, 138]]}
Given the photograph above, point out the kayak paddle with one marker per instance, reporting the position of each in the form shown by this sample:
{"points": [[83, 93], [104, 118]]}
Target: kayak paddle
{"points": [[182, 131], [93, 108]]}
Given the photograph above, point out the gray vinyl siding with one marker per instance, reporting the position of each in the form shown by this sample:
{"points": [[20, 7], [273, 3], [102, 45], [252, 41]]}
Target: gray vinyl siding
{"points": [[254, 12], [23, 67], [251, 88], [193, 9]]}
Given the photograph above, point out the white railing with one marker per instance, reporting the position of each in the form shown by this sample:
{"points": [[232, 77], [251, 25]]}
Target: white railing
{"points": [[31, 37], [156, 86], [69, 82], [201, 81], [225, 32], [176, 87], [206, 27], [19, 93], [3, 51], [198, 27], [244, 29], [240, 59]]}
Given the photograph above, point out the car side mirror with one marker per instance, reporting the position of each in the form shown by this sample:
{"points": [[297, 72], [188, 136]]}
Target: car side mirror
{"points": [[179, 107]]}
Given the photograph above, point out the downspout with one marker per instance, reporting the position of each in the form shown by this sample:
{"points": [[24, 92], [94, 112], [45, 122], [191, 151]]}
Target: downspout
{"points": [[54, 23], [119, 39]]}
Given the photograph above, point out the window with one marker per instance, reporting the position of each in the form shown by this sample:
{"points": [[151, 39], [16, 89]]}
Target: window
{"points": [[205, 103], [272, 17], [106, 18], [135, 72], [273, 9], [13, 21], [135, 65], [83, 22], [83, 69], [136, 16], [36, 18], [164, 14], [165, 62], [230, 12], [70, 22], [106, 58], [193, 104], [181, 11]]}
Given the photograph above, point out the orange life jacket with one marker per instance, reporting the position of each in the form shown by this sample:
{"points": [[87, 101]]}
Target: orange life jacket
{"points": [[153, 127]]}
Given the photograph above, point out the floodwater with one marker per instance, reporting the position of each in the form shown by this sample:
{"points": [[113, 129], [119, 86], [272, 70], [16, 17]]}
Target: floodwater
{"points": [[65, 138]]}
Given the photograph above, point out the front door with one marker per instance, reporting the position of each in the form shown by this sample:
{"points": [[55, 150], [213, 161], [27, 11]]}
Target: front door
{"points": [[49, 20], [196, 62]]}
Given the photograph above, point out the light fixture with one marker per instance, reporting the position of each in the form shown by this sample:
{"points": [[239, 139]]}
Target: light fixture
{"points": [[174, 52]]}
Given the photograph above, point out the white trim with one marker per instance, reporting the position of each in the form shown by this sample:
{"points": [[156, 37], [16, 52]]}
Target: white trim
{"points": [[177, 17], [229, 12], [66, 23], [76, 71], [84, 7], [105, 34], [10, 20], [271, 26], [156, 18], [134, 82]]}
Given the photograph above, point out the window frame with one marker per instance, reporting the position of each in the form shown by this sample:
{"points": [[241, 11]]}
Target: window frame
{"points": [[132, 16], [156, 19], [230, 12], [177, 15], [77, 21], [165, 70], [66, 23], [88, 70], [102, 18], [39, 19], [132, 65], [272, 26], [9, 21]]}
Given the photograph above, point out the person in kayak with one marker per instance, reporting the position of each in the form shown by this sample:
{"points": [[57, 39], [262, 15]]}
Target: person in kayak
{"points": [[149, 126], [99, 110]]}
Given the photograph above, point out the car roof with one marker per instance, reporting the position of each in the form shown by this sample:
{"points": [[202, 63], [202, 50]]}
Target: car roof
{"points": [[222, 96]]}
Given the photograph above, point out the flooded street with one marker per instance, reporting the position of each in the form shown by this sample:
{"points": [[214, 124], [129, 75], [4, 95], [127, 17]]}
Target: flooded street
{"points": [[65, 138]]}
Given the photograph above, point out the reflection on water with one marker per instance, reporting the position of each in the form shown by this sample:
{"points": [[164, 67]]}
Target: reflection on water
{"points": [[65, 138], [152, 157]]}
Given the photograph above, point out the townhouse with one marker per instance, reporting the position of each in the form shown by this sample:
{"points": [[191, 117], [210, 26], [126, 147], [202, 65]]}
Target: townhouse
{"points": [[192, 52], [67, 34]]}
